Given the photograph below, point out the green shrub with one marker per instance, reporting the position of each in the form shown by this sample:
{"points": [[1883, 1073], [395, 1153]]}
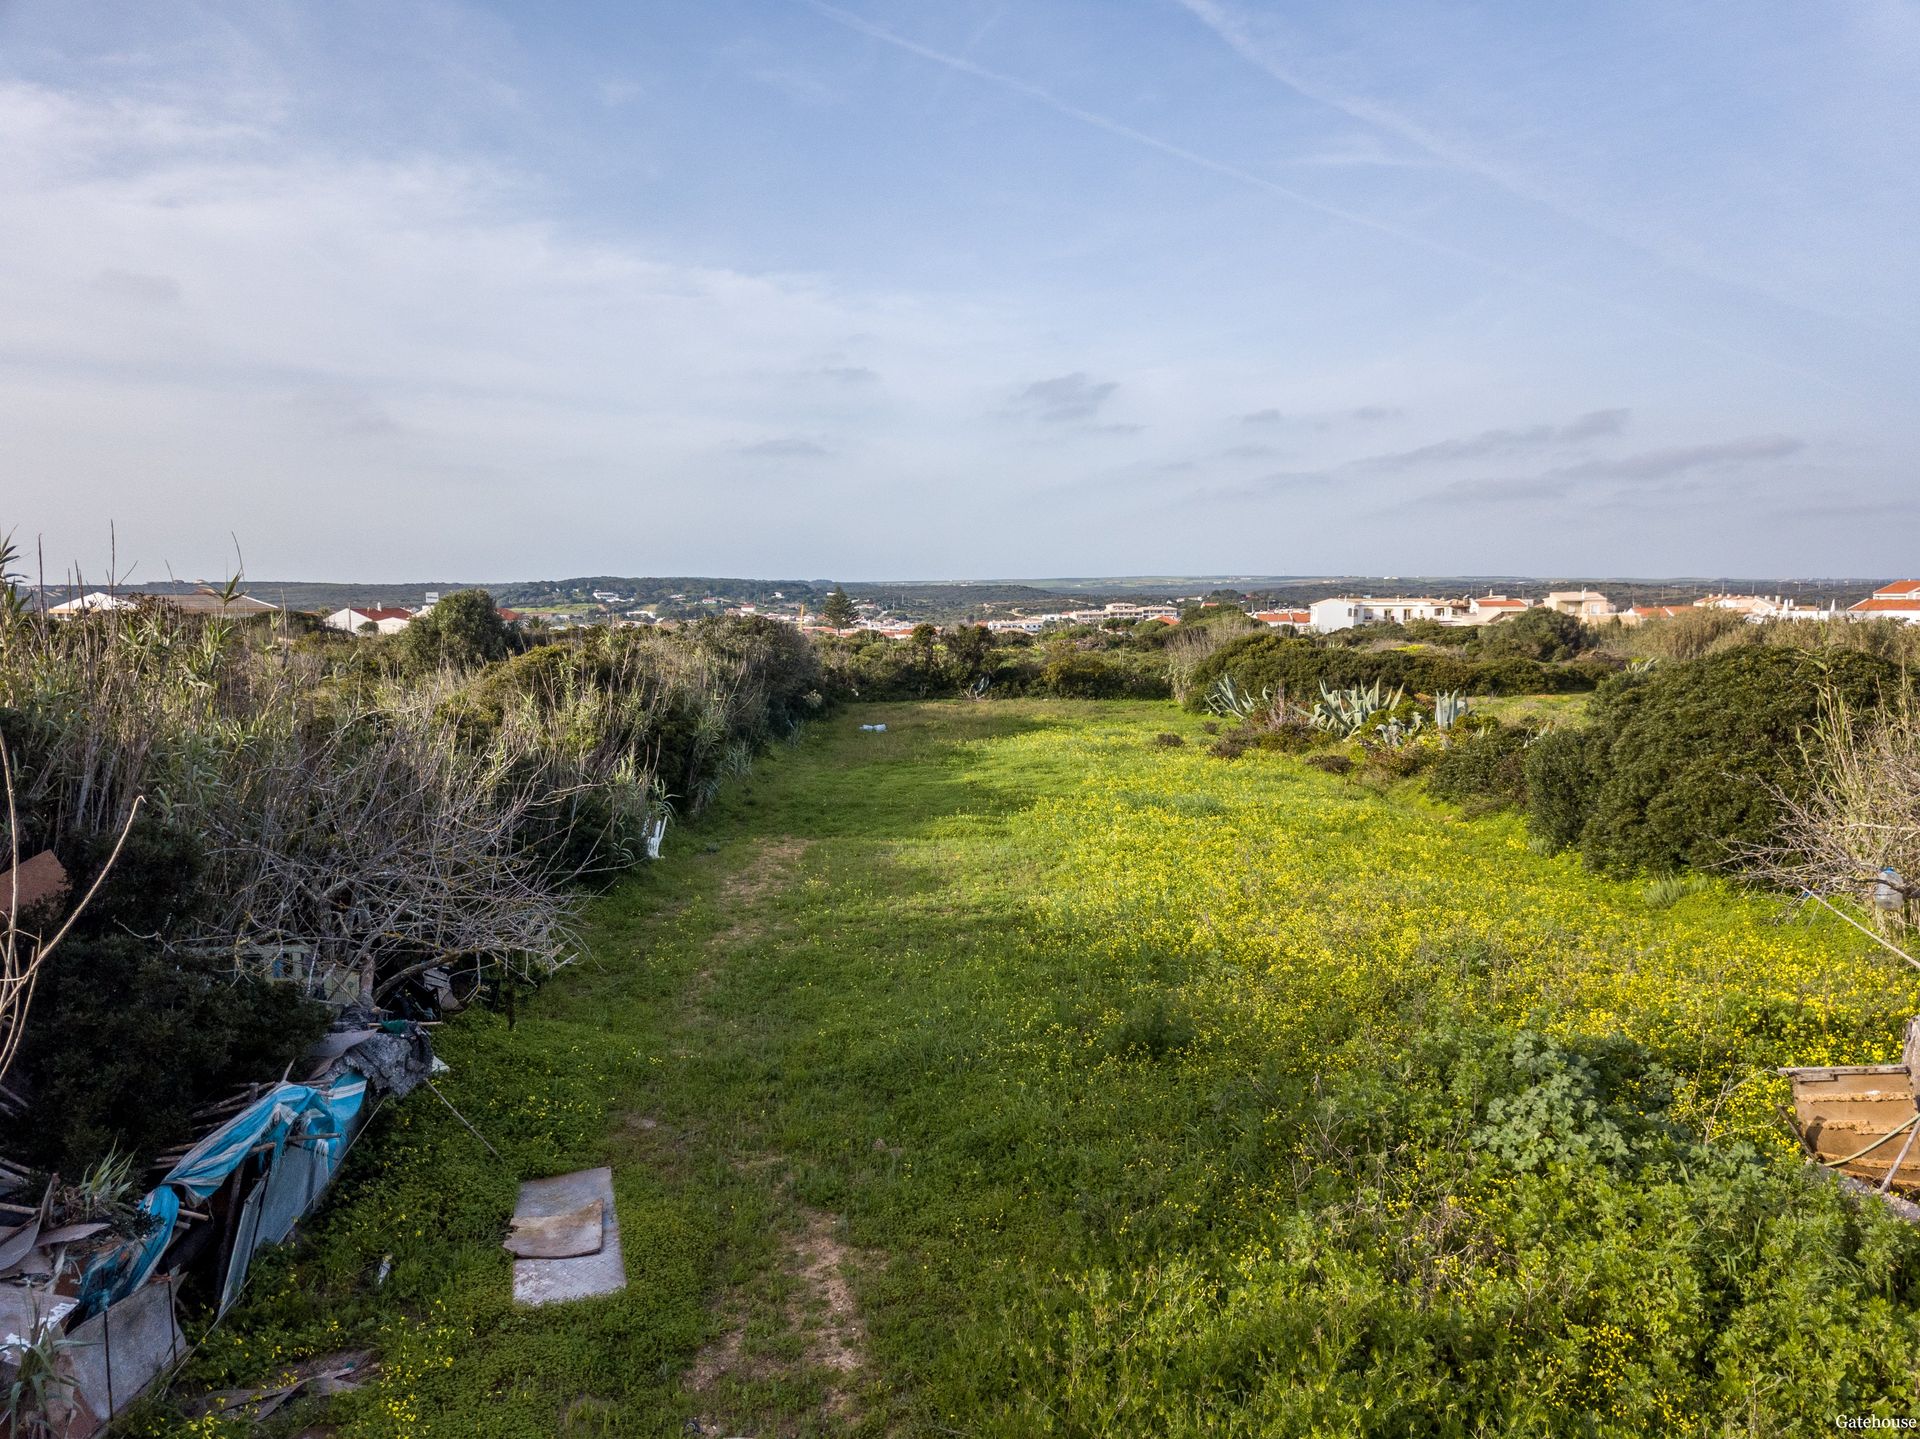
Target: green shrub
{"points": [[1536, 634], [1689, 756], [1693, 634], [463, 630], [1110, 674], [1231, 745], [1559, 778], [127, 1039], [1083, 664], [1082, 675], [1389, 763], [1483, 766], [1300, 666], [1289, 736]]}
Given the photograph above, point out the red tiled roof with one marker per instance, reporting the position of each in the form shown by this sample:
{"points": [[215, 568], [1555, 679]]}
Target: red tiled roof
{"points": [[1500, 602], [1898, 587], [383, 612], [1883, 602], [1284, 617]]}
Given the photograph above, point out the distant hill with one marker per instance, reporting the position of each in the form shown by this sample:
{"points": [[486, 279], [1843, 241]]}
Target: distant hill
{"points": [[953, 601]]}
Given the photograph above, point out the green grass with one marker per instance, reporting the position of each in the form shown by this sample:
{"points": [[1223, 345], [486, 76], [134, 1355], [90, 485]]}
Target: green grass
{"points": [[1568, 709], [1129, 1091]]}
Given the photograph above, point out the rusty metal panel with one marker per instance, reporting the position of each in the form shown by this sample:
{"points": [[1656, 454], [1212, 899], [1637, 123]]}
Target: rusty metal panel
{"points": [[39, 878], [1858, 1119]]}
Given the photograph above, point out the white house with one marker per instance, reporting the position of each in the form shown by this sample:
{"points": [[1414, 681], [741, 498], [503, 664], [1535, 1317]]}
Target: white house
{"points": [[1640, 614], [1485, 609], [86, 604], [1895, 600], [354, 618], [1582, 604], [1345, 611], [1765, 607]]}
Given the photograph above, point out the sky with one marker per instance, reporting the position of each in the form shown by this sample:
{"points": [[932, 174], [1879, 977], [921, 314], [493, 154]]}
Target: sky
{"points": [[960, 288]]}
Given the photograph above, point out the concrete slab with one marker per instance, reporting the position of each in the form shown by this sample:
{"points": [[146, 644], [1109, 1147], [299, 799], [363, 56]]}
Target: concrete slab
{"points": [[586, 1276]]}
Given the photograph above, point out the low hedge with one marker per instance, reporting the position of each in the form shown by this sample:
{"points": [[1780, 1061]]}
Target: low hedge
{"points": [[1300, 666]]}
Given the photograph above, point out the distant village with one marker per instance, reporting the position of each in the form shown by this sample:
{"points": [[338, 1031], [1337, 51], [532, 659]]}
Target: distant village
{"points": [[1897, 600]]}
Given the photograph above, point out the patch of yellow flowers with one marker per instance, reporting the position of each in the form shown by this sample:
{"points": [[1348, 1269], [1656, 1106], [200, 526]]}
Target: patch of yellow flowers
{"points": [[1280, 891]]}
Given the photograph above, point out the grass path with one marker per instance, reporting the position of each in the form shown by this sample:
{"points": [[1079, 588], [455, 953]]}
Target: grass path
{"points": [[807, 978], [1010, 1074]]}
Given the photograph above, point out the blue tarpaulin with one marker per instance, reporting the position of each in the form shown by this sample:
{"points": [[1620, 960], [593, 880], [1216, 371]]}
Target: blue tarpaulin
{"points": [[319, 1119]]}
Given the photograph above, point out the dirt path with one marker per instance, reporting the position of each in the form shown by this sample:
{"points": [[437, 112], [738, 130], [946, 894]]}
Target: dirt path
{"points": [[795, 1324]]}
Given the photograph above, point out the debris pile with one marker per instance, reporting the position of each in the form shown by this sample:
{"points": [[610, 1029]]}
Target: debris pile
{"points": [[87, 1315]]}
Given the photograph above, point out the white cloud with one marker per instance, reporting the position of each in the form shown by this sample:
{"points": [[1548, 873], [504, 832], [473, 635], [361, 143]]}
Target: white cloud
{"points": [[214, 326]]}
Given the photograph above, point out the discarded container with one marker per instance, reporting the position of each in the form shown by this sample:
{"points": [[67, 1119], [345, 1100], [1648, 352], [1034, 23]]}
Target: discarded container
{"points": [[1862, 1120], [1889, 891]]}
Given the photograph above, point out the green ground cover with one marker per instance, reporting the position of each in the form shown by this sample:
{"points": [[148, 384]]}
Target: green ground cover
{"points": [[1534, 709], [1010, 1073]]}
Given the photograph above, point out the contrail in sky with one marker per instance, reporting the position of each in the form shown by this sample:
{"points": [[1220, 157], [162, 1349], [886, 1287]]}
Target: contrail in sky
{"points": [[1040, 95]]}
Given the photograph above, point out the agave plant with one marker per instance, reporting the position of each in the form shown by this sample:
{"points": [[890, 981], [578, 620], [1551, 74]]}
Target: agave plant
{"points": [[1228, 700], [1345, 712], [1449, 708], [1395, 733]]}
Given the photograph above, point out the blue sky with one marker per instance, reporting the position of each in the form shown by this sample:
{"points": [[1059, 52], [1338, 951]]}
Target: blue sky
{"points": [[877, 289]]}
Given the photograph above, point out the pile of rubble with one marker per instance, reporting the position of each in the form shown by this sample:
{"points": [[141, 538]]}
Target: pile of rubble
{"points": [[87, 1304]]}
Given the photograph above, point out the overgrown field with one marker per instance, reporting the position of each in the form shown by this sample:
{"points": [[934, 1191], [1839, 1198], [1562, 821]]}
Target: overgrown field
{"points": [[1012, 1073]]}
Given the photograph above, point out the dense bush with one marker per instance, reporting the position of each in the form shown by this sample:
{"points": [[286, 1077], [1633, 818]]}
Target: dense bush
{"points": [[1560, 779], [1483, 767], [1692, 634], [1299, 666], [1336, 762], [1277, 736], [1682, 763], [1535, 634], [115, 1017], [1388, 764], [126, 1038], [463, 630], [334, 801], [1081, 664]]}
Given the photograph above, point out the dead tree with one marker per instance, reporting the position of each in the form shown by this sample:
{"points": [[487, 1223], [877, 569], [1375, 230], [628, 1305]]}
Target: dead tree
{"points": [[1855, 835]]}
